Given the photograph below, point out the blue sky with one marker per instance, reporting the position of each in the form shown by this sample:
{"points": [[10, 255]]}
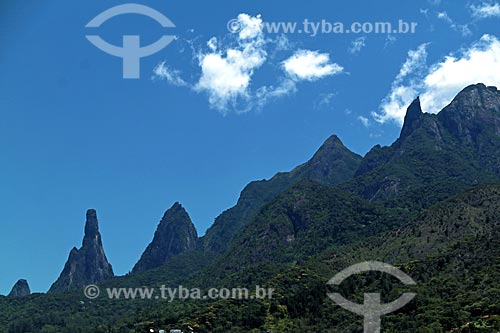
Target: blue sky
{"points": [[211, 112]]}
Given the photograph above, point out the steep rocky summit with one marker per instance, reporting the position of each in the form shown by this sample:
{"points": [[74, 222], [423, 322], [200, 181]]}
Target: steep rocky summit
{"points": [[175, 235], [87, 265], [331, 165], [20, 289]]}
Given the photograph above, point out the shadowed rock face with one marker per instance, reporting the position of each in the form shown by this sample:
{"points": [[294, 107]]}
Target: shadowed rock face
{"points": [[175, 234], [412, 119], [87, 265], [474, 110], [20, 289], [473, 118]]}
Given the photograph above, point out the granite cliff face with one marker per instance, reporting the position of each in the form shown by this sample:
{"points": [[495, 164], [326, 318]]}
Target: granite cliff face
{"points": [[87, 265], [20, 289], [473, 118], [175, 235]]}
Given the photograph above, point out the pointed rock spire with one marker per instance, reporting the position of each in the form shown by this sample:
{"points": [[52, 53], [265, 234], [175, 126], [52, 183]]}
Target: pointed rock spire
{"points": [[412, 119], [87, 265], [175, 234], [20, 289], [92, 225]]}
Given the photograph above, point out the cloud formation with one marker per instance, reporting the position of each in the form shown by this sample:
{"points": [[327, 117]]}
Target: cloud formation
{"points": [[438, 84], [172, 76], [227, 67], [402, 92], [357, 45], [310, 65], [226, 74], [364, 121], [461, 28], [485, 10]]}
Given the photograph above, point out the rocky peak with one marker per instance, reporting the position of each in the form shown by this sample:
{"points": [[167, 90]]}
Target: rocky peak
{"points": [[412, 119], [474, 97], [175, 234], [91, 225], [332, 164], [473, 119], [332, 145], [476, 108], [20, 289], [87, 265], [176, 208]]}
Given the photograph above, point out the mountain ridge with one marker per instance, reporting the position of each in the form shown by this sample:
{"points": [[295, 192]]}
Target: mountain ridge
{"points": [[332, 164], [430, 157], [428, 204]]}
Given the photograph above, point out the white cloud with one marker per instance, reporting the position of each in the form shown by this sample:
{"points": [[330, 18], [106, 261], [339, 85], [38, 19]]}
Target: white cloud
{"points": [[172, 76], [416, 60], [438, 84], [444, 16], [227, 66], [485, 10], [357, 45], [226, 74], [324, 100], [401, 95], [479, 63], [265, 94], [461, 28], [212, 44], [282, 43], [250, 27], [365, 121], [310, 65], [226, 77]]}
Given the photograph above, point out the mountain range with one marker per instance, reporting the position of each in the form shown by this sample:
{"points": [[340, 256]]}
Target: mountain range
{"points": [[428, 204]]}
